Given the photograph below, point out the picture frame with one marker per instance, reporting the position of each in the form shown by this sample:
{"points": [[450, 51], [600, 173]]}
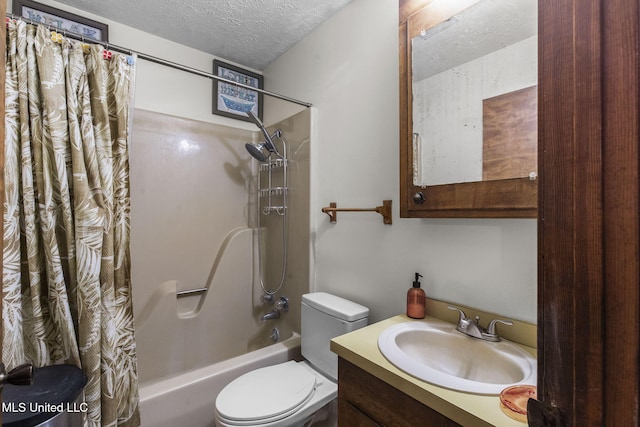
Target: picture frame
{"points": [[233, 101], [60, 20]]}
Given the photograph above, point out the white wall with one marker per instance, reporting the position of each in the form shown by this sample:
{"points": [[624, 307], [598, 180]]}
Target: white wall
{"points": [[348, 68]]}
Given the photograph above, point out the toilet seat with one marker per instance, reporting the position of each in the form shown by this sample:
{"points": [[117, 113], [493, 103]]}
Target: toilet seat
{"points": [[266, 394]]}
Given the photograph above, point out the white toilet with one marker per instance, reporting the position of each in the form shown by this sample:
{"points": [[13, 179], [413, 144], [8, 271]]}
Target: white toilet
{"points": [[290, 393]]}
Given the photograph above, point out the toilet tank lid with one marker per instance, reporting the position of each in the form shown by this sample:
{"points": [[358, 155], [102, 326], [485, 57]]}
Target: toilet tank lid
{"points": [[336, 306]]}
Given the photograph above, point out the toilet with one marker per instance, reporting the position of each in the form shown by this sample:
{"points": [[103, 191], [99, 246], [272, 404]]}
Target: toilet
{"points": [[290, 393]]}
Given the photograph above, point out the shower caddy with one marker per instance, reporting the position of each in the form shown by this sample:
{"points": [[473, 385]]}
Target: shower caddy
{"points": [[273, 192]]}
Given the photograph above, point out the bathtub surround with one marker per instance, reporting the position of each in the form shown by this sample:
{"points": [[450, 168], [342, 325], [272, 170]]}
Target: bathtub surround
{"points": [[194, 224], [67, 216]]}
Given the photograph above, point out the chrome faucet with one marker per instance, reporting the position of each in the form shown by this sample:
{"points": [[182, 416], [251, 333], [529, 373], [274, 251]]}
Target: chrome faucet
{"points": [[281, 305], [472, 328], [273, 314]]}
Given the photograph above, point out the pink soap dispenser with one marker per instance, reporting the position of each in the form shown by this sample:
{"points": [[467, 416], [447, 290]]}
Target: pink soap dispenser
{"points": [[416, 300]]}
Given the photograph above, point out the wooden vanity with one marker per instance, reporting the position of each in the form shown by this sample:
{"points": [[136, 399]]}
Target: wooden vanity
{"points": [[365, 400], [373, 392]]}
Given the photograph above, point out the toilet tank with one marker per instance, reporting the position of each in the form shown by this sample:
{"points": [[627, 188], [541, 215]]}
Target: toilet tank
{"points": [[325, 316]]}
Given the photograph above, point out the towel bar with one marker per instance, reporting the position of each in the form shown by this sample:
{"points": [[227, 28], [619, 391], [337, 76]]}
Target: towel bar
{"points": [[384, 210]]}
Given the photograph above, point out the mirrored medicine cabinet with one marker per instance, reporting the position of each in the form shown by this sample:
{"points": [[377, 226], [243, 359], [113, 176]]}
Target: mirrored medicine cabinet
{"points": [[468, 108]]}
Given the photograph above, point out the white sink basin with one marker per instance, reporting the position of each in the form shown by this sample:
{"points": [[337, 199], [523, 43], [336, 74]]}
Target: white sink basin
{"points": [[435, 352]]}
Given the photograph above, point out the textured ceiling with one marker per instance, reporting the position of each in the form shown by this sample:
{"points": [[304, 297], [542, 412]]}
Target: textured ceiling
{"points": [[249, 32]]}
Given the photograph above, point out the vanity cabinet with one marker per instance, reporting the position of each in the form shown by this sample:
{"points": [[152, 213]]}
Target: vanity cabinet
{"points": [[366, 401]]}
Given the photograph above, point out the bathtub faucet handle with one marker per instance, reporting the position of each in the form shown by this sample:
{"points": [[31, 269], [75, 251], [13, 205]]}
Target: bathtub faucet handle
{"points": [[283, 304], [268, 299]]}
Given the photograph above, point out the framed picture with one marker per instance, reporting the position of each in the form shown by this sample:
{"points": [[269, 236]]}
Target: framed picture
{"points": [[60, 20], [233, 101]]}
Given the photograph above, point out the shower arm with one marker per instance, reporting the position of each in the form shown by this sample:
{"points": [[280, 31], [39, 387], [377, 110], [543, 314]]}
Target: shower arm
{"points": [[276, 134], [268, 138]]}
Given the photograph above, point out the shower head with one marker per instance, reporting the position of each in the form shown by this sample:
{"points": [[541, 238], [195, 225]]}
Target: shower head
{"points": [[262, 150], [258, 150]]}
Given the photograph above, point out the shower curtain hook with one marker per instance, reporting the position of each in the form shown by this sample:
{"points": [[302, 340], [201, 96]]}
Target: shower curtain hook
{"points": [[85, 47]]}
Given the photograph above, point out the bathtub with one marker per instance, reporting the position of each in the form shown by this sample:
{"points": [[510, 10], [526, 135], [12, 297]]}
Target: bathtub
{"points": [[187, 400]]}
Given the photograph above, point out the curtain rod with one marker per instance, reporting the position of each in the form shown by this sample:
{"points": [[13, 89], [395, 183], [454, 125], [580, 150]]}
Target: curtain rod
{"points": [[161, 61]]}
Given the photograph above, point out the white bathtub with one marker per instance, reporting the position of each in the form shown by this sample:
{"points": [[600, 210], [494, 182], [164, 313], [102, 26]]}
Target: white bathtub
{"points": [[187, 400]]}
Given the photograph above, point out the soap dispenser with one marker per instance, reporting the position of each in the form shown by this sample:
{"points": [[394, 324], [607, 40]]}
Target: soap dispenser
{"points": [[416, 300]]}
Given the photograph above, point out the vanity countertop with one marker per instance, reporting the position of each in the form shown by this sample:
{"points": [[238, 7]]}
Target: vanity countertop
{"points": [[360, 347]]}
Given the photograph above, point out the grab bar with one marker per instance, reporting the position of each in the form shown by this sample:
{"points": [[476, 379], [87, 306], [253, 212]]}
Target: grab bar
{"points": [[181, 294]]}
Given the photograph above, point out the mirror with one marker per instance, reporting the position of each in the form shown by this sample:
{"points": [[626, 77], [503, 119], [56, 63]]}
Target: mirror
{"points": [[474, 82], [469, 69]]}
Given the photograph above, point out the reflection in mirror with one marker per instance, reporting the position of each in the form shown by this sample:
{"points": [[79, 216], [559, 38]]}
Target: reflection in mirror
{"points": [[474, 89]]}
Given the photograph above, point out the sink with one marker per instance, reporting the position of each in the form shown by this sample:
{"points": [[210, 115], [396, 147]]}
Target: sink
{"points": [[435, 352]]}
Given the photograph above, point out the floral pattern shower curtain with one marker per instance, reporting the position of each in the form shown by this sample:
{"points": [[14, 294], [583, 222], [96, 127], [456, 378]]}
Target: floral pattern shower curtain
{"points": [[66, 280]]}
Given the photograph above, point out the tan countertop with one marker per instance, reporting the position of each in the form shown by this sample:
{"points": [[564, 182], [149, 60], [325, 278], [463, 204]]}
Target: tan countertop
{"points": [[360, 347]]}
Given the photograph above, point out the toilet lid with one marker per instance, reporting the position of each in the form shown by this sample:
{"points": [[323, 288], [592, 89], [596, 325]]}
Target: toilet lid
{"points": [[266, 393]]}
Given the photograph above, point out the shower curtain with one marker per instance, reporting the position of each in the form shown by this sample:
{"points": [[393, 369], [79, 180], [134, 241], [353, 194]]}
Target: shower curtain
{"points": [[66, 280]]}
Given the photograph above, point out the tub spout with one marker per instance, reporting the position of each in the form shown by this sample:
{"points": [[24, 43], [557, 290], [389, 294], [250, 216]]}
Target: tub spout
{"points": [[273, 314], [281, 305]]}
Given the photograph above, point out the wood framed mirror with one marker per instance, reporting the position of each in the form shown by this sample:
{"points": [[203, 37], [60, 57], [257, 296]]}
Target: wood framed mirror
{"points": [[483, 189]]}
